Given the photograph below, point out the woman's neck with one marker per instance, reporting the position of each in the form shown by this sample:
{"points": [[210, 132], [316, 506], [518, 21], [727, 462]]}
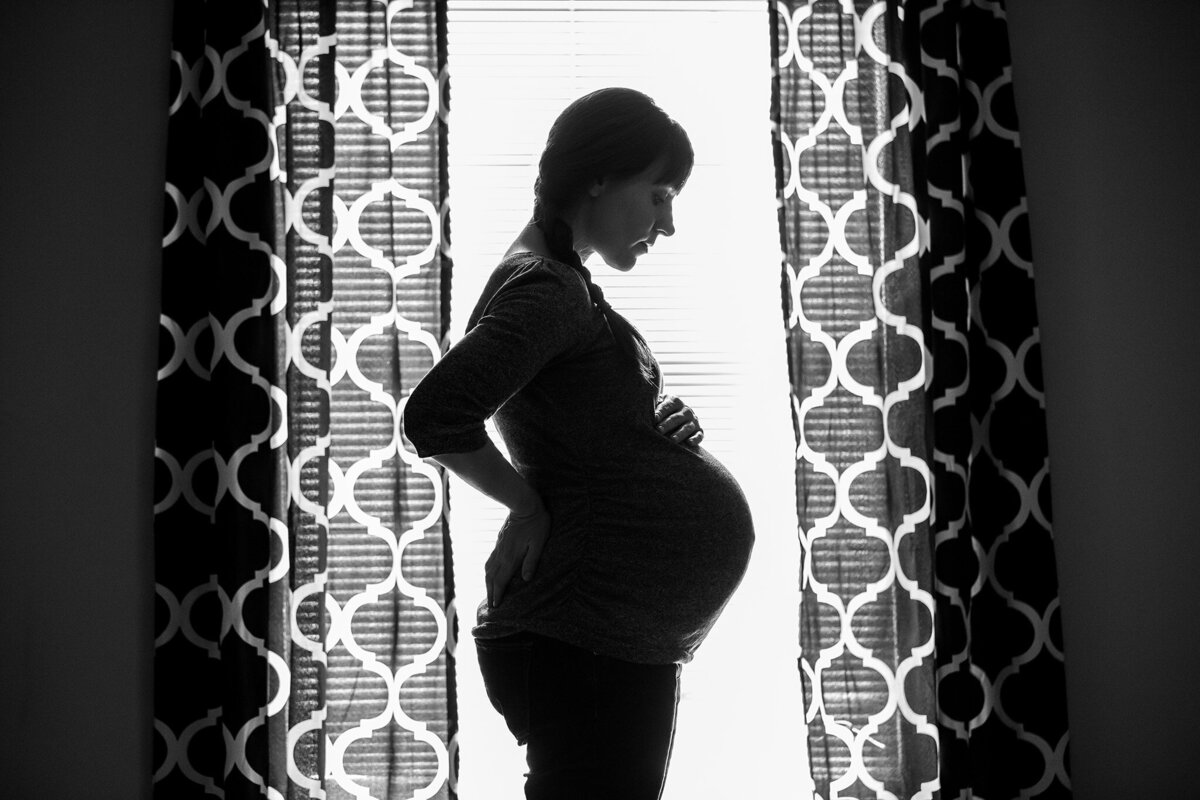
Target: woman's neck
{"points": [[529, 240], [532, 239]]}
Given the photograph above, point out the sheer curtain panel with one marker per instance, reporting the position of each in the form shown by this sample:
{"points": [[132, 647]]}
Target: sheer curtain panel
{"points": [[304, 623], [931, 650]]}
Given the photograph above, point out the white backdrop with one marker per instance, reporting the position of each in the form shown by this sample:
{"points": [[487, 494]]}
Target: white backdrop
{"points": [[707, 300]]}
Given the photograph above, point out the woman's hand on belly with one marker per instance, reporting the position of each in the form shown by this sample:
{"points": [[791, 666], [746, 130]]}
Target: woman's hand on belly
{"points": [[677, 421], [518, 548]]}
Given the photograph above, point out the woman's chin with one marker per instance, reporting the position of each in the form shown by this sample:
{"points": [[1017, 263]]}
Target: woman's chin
{"points": [[623, 262]]}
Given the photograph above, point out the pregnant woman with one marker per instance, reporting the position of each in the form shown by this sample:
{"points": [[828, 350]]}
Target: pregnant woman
{"points": [[625, 538]]}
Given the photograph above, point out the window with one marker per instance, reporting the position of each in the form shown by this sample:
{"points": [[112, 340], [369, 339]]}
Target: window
{"points": [[707, 300]]}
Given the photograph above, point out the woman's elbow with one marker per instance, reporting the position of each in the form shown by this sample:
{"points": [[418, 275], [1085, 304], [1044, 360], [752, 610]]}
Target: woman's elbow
{"points": [[415, 417]]}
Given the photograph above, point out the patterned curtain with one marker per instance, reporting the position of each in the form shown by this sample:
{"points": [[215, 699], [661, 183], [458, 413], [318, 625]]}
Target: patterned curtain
{"points": [[931, 648], [304, 622]]}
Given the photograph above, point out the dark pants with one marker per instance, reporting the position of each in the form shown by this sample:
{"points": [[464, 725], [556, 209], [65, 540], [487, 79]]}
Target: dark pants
{"points": [[597, 728]]}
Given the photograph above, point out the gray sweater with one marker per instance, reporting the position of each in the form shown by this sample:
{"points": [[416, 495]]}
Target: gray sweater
{"points": [[648, 538]]}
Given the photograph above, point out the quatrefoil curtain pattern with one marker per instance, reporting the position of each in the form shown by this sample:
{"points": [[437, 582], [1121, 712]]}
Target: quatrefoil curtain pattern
{"points": [[931, 647], [304, 619]]}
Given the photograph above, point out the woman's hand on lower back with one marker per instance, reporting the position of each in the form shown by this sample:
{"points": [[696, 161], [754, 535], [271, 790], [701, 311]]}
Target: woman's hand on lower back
{"points": [[518, 550], [519, 545]]}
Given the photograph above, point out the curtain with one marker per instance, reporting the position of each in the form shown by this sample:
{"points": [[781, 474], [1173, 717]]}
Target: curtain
{"points": [[931, 646], [304, 621]]}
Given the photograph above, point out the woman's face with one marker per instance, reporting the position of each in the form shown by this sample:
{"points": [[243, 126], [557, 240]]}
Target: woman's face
{"points": [[623, 218]]}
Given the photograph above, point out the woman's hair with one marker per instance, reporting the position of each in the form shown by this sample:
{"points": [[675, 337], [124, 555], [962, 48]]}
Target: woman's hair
{"points": [[608, 134]]}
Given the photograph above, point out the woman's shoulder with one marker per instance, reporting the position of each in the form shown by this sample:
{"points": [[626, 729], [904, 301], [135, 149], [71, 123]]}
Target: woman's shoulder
{"points": [[558, 281], [526, 262], [536, 283]]}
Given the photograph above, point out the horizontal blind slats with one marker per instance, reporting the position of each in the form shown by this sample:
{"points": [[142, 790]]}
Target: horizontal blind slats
{"points": [[707, 299]]}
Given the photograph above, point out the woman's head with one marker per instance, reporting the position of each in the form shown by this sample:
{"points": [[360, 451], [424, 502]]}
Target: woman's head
{"points": [[612, 165]]}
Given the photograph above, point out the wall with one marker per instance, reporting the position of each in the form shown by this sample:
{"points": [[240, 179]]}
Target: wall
{"points": [[81, 154], [1106, 99], [1106, 92]]}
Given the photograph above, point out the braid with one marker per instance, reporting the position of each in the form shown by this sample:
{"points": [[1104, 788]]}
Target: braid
{"points": [[560, 240]]}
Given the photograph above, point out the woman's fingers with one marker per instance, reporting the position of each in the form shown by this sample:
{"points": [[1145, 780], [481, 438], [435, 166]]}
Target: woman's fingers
{"points": [[499, 570], [532, 555], [497, 574], [518, 547], [668, 405], [686, 431], [681, 425], [675, 425], [499, 581]]}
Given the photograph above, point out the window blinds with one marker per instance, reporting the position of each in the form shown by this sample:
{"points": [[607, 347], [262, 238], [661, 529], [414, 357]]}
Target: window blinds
{"points": [[707, 301]]}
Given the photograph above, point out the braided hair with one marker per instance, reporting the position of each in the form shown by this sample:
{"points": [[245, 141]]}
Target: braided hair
{"points": [[610, 133]]}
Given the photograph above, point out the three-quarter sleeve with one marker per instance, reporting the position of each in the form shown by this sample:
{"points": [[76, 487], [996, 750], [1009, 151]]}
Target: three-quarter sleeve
{"points": [[539, 312]]}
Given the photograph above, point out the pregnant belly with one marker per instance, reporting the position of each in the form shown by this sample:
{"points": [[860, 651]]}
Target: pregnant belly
{"points": [[646, 550], [678, 537]]}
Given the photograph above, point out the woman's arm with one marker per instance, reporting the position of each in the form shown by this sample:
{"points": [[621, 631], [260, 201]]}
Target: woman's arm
{"points": [[523, 535], [540, 311]]}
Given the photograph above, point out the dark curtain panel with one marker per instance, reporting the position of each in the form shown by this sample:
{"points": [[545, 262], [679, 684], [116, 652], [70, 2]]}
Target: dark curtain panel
{"points": [[1001, 683], [304, 623], [931, 649]]}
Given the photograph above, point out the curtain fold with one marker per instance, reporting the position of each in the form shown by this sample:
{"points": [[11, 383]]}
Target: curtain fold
{"points": [[304, 622], [931, 652], [1000, 666]]}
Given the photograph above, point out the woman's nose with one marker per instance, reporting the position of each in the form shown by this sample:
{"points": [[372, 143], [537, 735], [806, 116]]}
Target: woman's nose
{"points": [[666, 221]]}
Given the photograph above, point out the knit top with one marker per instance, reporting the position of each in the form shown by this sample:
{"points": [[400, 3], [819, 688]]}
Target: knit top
{"points": [[648, 538]]}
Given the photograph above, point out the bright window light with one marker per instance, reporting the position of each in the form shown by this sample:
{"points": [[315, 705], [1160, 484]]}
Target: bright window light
{"points": [[708, 302]]}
